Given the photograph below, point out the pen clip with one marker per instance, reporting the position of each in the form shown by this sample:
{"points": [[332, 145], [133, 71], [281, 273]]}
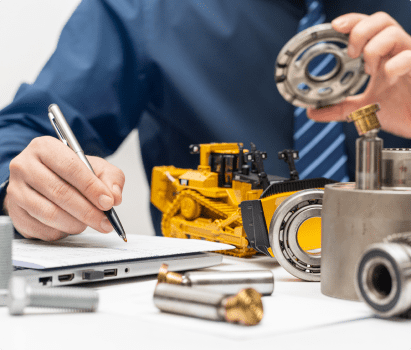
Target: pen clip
{"points": [[56, 127]]}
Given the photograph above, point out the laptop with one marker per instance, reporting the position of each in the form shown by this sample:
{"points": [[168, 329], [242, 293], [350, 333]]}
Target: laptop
{"points": [[91, 257]]}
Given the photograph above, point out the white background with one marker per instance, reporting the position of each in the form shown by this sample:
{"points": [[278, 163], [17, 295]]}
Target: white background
{"points": [[29, 31]]}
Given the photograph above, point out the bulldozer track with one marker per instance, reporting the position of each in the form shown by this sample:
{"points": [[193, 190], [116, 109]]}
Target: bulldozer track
{"points": [[218, 208]]}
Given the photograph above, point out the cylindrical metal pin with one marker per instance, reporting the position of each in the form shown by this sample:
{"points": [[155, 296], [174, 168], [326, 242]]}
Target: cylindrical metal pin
{"points": [[6, 237], [245, 307], [225, 282], [368, 148]]}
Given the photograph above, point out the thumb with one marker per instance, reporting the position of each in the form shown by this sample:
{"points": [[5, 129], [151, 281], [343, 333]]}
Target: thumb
{"points": [[338, 112]]}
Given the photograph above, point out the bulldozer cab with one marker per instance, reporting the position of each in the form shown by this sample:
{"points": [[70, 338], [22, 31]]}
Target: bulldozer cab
{"points": [[224, 165]]}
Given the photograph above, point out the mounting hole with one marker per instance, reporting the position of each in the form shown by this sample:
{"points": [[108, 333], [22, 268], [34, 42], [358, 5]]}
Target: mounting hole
{"points": [[346, 77], [126, 270], [304, 88], [325, 91]]}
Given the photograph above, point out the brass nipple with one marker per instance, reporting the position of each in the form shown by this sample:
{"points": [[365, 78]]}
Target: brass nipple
{"points": [[169, 277], [365, 119]]}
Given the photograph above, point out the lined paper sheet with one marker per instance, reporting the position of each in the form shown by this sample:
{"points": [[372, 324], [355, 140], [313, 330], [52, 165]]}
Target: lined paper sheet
{"points": [[91, 248]]}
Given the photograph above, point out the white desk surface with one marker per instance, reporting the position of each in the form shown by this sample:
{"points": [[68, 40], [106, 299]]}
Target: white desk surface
{"points": [[296, 316]]}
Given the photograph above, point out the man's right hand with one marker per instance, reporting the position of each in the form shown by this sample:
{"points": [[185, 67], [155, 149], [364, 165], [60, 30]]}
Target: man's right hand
{"points": [[52, 194]]}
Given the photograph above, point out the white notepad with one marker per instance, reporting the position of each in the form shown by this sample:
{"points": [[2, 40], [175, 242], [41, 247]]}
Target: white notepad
{"points": [[92, 248]]}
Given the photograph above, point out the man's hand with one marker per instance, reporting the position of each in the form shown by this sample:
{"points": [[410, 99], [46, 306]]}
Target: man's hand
{"points": [[52, 194], [387, 54]]}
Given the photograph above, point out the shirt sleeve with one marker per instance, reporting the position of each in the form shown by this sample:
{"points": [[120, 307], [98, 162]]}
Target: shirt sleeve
{"points": [[97, 76]]}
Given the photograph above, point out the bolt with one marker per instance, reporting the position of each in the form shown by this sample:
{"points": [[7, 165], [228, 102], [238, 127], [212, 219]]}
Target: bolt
{"points": [[22, 295], [6, 237]]}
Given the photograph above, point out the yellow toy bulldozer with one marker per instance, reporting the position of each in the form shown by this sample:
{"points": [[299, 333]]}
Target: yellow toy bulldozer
{"points": [[230, 199]]}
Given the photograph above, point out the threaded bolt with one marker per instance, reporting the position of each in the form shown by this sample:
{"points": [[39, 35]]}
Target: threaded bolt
{"points": [[6, 237], [22, 295]]}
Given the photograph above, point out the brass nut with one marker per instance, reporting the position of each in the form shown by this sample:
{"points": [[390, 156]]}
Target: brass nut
{"points": [[365, 119]]}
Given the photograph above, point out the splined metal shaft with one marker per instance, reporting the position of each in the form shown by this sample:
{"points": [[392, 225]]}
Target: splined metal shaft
{"points": [[6, 237], [245, 307]]}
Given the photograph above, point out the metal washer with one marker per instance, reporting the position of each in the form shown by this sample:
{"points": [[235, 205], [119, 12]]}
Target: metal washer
{"points": [[302, 89]]}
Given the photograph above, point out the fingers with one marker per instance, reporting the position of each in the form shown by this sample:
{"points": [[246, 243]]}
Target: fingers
{"points": [[366, 29], [345, 23], [62, 161], [338, 112], [110, 175], [399, 65], [51, 191], [30, 227], [389, 42]]}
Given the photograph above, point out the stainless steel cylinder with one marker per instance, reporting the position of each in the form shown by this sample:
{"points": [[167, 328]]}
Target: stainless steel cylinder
{"points": [[22, 295], [368, 161], [6, 237], [396, 168], [353, 219], [231, 282], [245, 307], [191, 302], [383, 278]]}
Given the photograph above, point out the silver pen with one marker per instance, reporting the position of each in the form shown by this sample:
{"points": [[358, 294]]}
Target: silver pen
{"points": [[65, 134]]}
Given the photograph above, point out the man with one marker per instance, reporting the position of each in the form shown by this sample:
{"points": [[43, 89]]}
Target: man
{"points": [[181, 72]]}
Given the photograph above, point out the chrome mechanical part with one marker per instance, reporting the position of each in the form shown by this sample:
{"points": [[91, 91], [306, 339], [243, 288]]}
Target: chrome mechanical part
{"points": [[382, 277], [368, 148], [245, 307], [305, 89], [283, 233], [22, 295], [351, 220], [226, 282], [6, 238], [396, 166]]}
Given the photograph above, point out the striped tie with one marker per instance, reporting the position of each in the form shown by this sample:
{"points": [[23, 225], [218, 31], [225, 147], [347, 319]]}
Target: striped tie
{"points": [[321, 146]]}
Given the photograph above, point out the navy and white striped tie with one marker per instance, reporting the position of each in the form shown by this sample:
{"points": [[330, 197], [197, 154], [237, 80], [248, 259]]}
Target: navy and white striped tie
{"points": [[321, 146]]}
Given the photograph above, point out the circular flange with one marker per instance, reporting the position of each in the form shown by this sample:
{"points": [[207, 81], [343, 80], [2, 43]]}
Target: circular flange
{"points": [[286, 221], [302, 88]]}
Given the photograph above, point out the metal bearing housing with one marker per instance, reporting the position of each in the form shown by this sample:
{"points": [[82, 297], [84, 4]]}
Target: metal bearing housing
{"points": [[304, 89]]}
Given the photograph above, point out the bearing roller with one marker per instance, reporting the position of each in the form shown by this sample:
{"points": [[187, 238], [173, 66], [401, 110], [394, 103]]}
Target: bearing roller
{"points": [[304, 89], [283, 233]]}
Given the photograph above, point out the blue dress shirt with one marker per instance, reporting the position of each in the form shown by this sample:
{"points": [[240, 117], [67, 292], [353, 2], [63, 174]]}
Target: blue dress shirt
{"points": [[180, 71]]}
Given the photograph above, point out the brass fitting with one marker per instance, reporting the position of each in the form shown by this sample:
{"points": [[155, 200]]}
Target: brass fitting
{"points": [[246, 307], [365, 118], [164, 276]]}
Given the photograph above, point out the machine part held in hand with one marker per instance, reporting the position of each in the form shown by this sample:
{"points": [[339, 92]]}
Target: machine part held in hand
{"points": [[245, 307], [302, 86], [383, 279], [225, 282], [6, 238], [301, 208]]}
